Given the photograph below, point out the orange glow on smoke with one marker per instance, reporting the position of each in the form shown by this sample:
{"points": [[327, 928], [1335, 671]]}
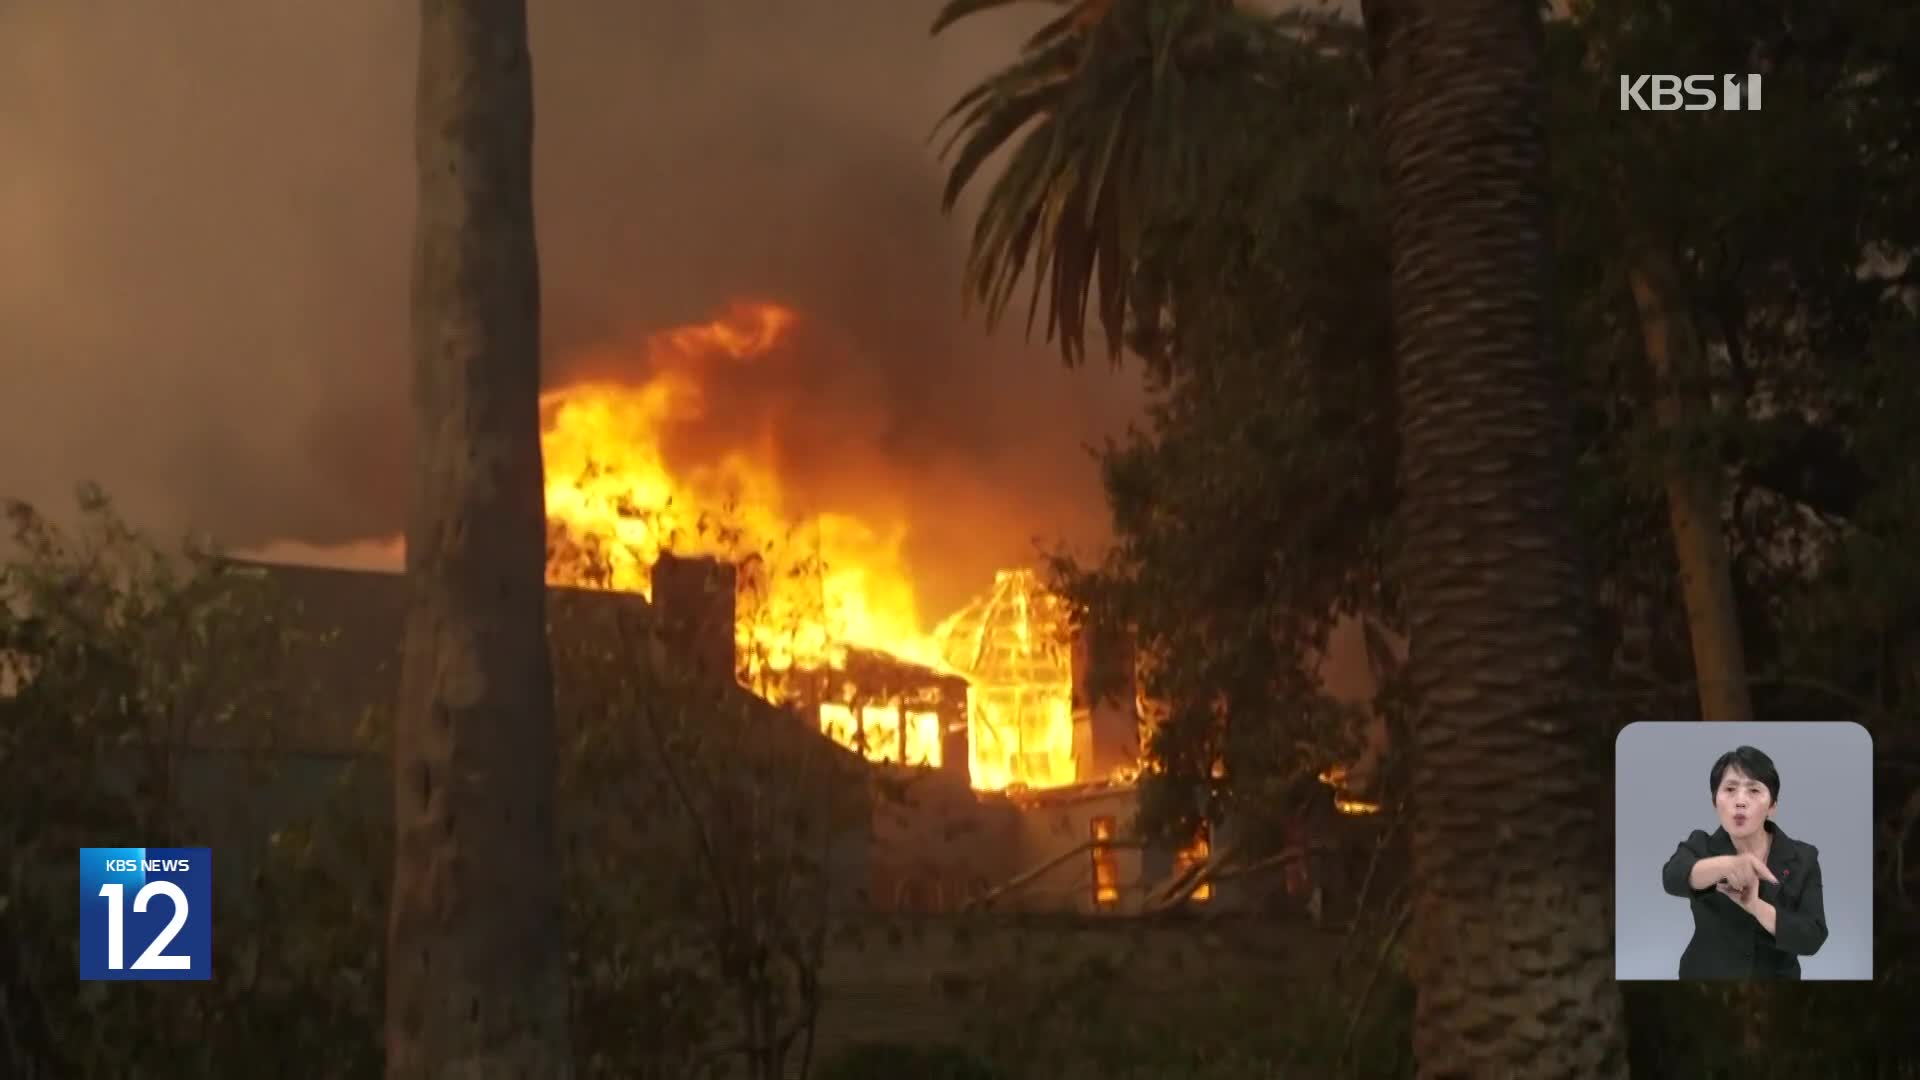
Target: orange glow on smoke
{"points": [[824, 580], [812, 582]]}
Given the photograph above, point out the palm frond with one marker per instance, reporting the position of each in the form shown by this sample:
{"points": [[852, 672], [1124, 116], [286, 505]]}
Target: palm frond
{"points": [[1051, 65], [1057, 28], [1096, 114], [979, 140], [955, 10]]}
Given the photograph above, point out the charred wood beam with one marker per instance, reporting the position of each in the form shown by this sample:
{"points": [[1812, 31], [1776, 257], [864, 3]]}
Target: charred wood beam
{"points": [[1174, 896], [1026, 878]]}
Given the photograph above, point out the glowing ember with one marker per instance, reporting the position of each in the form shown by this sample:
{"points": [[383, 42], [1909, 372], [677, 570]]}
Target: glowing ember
{"points": [[1336, 779]]}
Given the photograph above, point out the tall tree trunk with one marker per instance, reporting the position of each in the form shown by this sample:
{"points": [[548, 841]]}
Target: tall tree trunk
{"points": [[476, 963], [1693, 487], [1512, 903], [1678, 368]]}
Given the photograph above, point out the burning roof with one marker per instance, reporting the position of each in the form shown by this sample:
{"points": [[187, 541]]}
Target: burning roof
{"points": [[827, 613], [810, 581], [1012, 646]]}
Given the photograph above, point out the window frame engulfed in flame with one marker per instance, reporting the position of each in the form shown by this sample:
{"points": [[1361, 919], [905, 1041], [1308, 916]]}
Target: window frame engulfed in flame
{"points": [[842, 698], [1105, 863], [905, 736], [1012, 647], [1196, 853]]}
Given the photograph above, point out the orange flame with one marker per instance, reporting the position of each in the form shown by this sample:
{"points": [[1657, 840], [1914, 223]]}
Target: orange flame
{"points": [[813, 582], [1011, 646], [822, 579], [1343, 801]]}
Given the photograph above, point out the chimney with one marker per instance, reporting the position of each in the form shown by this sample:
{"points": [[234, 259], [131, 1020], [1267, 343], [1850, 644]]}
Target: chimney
{"points": [[693, 599]]}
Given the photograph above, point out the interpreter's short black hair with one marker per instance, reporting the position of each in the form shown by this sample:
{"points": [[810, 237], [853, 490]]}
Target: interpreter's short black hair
{"points": [[1751, 763]]}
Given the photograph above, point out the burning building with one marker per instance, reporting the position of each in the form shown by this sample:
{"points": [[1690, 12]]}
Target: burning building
{"points": [[999, 765], [1016, 760], [1006, 763], [823, 610]]}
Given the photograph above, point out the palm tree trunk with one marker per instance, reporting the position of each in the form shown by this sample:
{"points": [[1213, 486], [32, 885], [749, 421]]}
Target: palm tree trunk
{"points": [[1512, 904], [476, 967], [1693, 490]]}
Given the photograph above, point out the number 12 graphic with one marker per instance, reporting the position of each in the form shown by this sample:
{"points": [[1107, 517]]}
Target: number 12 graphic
{"points": [[167, 923], [155, 958]]}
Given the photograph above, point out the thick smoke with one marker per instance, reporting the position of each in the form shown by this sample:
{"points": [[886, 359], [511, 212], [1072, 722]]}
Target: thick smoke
{"points": [[208, 209]]}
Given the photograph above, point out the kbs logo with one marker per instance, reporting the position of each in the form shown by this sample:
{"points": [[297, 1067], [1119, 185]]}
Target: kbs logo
{"points": [[146, 913], [1694, 93]]}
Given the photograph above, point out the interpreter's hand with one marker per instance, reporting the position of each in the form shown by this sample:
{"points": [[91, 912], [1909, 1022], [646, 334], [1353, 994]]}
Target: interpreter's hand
{"points": [[1742, 874]]}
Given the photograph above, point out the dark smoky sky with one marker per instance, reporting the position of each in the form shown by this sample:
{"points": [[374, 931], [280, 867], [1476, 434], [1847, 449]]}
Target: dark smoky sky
{"points": [[207, 211]]}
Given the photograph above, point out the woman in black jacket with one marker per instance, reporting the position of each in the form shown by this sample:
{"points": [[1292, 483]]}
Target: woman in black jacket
{"points": [[1755, 891]]}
